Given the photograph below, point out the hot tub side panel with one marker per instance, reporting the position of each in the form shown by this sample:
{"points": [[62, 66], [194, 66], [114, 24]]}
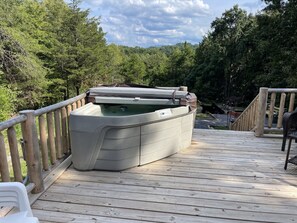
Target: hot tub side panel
{"points": [[83, 146], [187, 130], [120, 149], [159, 140], [86, 137]]}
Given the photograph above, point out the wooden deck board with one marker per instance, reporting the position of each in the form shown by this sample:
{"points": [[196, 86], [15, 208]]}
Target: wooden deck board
{"points": [[224, 176]]}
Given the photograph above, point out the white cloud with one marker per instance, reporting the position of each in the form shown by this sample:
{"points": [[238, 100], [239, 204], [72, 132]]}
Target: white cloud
{"points": [[156, 41], [151, 22], [147, 22]]}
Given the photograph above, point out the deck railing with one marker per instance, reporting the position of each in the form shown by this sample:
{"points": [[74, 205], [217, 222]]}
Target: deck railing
{"points": [[44, 144], [271, 104], [247, 119]]}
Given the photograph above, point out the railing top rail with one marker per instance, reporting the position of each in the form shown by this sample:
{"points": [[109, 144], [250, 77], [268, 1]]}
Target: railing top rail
{"points": [[282, 90], [21, 118], [58, 105], [13, 121], [242, 114]]}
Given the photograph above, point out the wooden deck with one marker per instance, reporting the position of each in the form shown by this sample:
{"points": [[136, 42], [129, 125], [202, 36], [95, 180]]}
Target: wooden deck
{"points": [[225, 176]]}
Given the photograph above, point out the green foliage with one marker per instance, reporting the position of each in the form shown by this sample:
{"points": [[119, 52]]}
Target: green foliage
{"points": [[19, 48], [167, 65], [221, 59], [76, 54], [114, 61], [50, 50], [244, 52], [156, 63], [7, 101], [133, 69]]}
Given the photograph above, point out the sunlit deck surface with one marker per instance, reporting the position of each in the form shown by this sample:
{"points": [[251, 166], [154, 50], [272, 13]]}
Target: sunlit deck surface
{"points": [[225, 176]]}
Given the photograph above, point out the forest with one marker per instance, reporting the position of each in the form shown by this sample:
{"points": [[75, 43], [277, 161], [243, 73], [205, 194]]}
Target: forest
{"points": [[51, 50]]}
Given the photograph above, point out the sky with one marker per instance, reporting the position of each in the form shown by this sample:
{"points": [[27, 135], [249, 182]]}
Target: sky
{"points": [[146, 23]]}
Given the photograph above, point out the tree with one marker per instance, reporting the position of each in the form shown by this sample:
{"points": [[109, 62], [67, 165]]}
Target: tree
{"points": [[7, 101], [133, 69], [77, 60], [179, 65], [156, 67], [20, 65], [221, 62], [114, 61]]}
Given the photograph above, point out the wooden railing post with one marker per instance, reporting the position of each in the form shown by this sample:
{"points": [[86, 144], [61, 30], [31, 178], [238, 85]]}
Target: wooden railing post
{"points": [[281, 110], [58, 140], [292, 101], [271, 109], [14, 153], [51, 137], [64, 130], [43, 142], [263, 95], [3, 161], [32, 151]]}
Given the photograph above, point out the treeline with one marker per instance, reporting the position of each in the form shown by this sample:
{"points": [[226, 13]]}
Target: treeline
{"points": [[50, 51], [241, 53], [244, 52]]}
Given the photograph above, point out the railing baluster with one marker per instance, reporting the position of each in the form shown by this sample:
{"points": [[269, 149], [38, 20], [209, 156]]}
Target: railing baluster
{"points": [[249, 126], [56, 124], [78, 104], [64, 130], [246, 120], [69, 109], [51, 137], [281, 110], [3, 161], [58, 133], [74, 106], [32, 151], [271, 109], [43, 142], [14, 153], [292, 102], [255, 108], [83, 102]]}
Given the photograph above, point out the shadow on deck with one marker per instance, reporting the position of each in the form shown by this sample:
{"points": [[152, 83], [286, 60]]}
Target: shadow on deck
{"points": [[225, 176]]}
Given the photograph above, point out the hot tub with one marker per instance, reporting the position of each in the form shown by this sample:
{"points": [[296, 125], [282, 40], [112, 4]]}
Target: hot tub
{"points": [[116, 133]]}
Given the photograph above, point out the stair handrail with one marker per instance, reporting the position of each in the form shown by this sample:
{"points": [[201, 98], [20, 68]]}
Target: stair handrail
{"points": [[248, 112]]}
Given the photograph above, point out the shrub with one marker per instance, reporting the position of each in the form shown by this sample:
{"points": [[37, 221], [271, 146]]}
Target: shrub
{"points": [[7, 103]]}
